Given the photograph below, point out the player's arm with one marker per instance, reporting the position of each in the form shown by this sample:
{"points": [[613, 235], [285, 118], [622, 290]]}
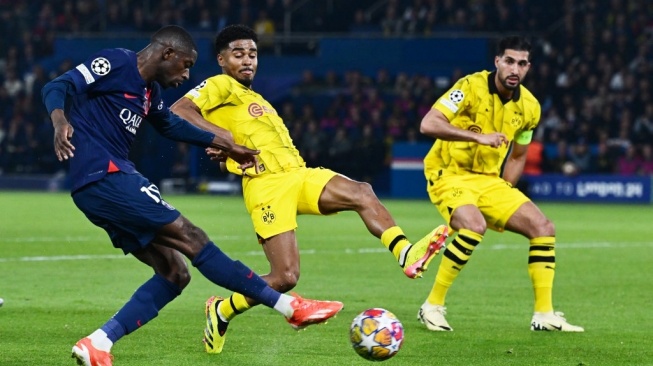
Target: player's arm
{"points": [[435, 124], [176, 128], [188, 110], [514, 167], [54, 95]]}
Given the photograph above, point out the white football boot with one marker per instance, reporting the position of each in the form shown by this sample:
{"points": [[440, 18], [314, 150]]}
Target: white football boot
{"points": [[433, 317], [553, 321]]}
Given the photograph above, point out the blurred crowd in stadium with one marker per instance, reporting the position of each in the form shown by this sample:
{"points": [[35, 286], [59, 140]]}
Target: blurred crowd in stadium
{"points": [[592, 71]]}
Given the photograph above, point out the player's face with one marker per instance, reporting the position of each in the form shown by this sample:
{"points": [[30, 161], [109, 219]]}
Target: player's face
{"points": [[512, 68], [176, 67], [240, 61]]}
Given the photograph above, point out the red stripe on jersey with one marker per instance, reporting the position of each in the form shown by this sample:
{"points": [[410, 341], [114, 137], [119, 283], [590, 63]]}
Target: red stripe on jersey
{"points": [[112, 167]]}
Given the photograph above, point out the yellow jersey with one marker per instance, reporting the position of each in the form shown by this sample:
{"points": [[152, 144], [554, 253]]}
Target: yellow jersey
{"points": [[474, 104], [253, 122]]}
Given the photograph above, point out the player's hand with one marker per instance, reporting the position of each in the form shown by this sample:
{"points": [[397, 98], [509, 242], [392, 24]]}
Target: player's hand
{"points": [[63, 133], [245, 156], [216, 154], [495, 139]]}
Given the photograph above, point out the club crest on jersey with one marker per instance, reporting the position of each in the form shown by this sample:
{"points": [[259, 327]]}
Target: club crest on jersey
{"points": [[268, 216], [100, 66], [516, 120], [456, 192]]}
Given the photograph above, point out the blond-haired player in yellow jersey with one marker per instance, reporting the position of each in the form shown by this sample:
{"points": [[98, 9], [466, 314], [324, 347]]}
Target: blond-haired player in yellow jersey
{"points": [[484, 121], [281, 186]]}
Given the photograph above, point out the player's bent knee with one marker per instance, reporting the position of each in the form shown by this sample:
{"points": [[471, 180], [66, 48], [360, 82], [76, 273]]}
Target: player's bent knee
{"points": [[479, 227], [180, 277], [183, 278], [283, 282], [364, 194], [548, 228]]}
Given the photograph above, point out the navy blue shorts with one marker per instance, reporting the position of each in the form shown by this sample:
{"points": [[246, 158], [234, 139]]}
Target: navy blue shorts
{"points": [[128, 207]]}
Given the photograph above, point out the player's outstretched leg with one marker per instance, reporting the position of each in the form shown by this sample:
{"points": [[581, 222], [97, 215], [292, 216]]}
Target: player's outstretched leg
{"points": [[421, 253], [85, 353], [553, 320]]}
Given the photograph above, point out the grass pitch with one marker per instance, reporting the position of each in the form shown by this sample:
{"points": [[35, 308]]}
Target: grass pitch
{"points": [[61, 279]]}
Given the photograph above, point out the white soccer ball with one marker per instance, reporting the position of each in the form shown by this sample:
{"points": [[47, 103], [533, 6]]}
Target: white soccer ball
{"points": [[376, 334]]}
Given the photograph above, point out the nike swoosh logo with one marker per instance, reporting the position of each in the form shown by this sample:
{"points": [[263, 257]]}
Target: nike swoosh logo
{"points": [[559, 327], [250, 275], [129, 96]]}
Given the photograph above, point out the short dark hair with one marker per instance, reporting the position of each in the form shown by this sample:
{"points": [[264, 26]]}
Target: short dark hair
{"points": [[516, 43], [231, 33], [175, 36]]}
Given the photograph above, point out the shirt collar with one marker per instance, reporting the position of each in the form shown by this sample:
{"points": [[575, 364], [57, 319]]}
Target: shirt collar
{"points": [[493, 89]]}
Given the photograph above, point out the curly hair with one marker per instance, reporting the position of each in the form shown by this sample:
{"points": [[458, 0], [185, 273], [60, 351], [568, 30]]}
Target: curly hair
{"points": [[231, 33]]}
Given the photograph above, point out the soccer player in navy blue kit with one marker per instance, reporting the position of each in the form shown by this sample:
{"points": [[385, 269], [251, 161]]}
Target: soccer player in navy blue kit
{"points": [[111, 94]]}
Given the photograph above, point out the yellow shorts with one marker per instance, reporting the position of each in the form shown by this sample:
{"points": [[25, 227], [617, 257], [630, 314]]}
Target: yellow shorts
{"points": [[274, 200], [494, 197]]}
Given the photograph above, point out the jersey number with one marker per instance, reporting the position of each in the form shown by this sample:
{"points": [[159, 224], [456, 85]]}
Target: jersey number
{"points": [[153, 192]]}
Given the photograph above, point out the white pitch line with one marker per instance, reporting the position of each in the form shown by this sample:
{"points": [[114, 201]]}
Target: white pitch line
{"points": [[67, 239], [57, 258], [599, 245]]}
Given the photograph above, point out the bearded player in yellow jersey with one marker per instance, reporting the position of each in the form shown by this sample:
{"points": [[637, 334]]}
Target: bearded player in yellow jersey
{"points": [[484, 120], [281, 186]]}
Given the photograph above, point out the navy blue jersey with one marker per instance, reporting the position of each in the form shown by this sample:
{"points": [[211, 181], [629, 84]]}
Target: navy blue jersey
{"points": [[110, 102]]}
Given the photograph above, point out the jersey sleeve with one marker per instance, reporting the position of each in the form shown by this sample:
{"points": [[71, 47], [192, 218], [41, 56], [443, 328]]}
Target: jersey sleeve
{"points": [[456, 99], [100, 65], [211, 93], [535, 117]]}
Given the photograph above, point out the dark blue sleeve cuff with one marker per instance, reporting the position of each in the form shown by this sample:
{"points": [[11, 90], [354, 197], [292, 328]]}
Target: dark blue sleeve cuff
{"points": [[54, 93], [178, 129]]}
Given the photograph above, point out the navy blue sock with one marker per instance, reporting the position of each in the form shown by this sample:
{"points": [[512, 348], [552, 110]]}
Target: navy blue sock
{"points": [[233, 275], [143, 306]]}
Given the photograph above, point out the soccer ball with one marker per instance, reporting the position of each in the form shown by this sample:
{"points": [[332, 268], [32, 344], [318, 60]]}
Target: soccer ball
{"points": [[376, 334]]}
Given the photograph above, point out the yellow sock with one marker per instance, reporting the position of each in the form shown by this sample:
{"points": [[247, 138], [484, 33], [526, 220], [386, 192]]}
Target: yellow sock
{"points": [[233, 305], [395, 240], [541, 269], [453, 260]]}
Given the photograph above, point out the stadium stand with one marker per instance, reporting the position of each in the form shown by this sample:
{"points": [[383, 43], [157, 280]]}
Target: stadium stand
{"points": [[592, 66]]}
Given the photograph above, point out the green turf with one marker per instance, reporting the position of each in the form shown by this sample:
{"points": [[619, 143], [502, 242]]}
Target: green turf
{"points": [[61, 279]]}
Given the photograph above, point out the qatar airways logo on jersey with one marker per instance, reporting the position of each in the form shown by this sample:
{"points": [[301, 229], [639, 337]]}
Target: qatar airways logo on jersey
{"points": [[131, 120], [257, 110]]}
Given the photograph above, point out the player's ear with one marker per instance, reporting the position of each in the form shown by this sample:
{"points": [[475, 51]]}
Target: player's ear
{"points": [[168, 52], [221, 60]]}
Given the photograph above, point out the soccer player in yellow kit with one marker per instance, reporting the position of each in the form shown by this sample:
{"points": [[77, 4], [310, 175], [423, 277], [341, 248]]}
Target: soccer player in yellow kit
{"points": [[281, 186], [486, 119]]}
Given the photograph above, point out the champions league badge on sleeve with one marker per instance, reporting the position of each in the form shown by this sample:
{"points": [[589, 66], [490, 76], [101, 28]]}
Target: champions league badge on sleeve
{"points": [[101, 66]]}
